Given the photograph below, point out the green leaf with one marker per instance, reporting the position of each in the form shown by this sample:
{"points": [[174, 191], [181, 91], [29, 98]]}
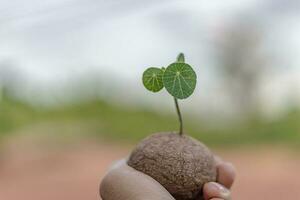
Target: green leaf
{"points": [[180, 58], [152, 79], [180, 80]]}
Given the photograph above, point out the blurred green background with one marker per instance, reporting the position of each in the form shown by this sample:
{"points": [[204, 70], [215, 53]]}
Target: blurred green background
{"points": [[100, 119]]}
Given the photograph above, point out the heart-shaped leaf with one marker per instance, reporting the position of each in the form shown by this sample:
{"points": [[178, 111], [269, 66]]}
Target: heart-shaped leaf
{"points": [[152, 79], [180, 80]]}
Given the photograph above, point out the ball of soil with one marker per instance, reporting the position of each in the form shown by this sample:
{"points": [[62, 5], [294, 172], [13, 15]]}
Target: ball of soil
{"points": [[180, 163]]}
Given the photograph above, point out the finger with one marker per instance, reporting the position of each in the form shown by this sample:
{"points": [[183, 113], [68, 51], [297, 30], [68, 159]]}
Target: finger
{"points": [[215, 190], [226, 174]]}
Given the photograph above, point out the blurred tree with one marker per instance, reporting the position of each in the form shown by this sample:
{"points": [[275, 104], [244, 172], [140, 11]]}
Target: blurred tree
{"points": [[10, 78], [242, 64]]}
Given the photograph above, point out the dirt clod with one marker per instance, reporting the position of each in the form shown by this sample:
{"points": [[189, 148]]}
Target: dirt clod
{"points": [[180, 163]]}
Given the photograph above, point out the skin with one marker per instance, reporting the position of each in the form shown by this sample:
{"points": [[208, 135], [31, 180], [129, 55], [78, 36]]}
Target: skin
{"points": [[124, 182]]}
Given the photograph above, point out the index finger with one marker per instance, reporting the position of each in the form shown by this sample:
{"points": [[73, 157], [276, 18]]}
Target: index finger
{"points": [[225, 172]]}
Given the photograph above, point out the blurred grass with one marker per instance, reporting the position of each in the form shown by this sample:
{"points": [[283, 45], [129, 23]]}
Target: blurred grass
{"points": [[98, 118]]}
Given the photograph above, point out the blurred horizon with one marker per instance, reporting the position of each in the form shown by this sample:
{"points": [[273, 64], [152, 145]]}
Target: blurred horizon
{"points": [[64, 51]]}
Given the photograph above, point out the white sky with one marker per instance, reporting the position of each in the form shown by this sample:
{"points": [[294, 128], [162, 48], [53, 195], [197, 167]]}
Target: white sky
{"points": [[53, 40]]}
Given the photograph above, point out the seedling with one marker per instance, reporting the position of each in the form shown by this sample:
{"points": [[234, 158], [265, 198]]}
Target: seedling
{"points": [[178, 162], [178, 78]]}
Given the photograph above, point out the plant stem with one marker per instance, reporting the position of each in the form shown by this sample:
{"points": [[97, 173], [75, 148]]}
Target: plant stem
{"points": [[179, 116]]}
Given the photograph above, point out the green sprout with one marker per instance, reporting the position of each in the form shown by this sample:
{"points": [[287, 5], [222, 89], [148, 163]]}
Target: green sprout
{"points": [[178, 78]]}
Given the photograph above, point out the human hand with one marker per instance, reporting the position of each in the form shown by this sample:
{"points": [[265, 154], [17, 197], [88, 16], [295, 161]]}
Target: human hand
{"points": [[124, 182]]}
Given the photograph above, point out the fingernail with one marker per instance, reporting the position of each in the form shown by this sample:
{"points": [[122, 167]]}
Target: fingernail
{"points": [[224, 192]]}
